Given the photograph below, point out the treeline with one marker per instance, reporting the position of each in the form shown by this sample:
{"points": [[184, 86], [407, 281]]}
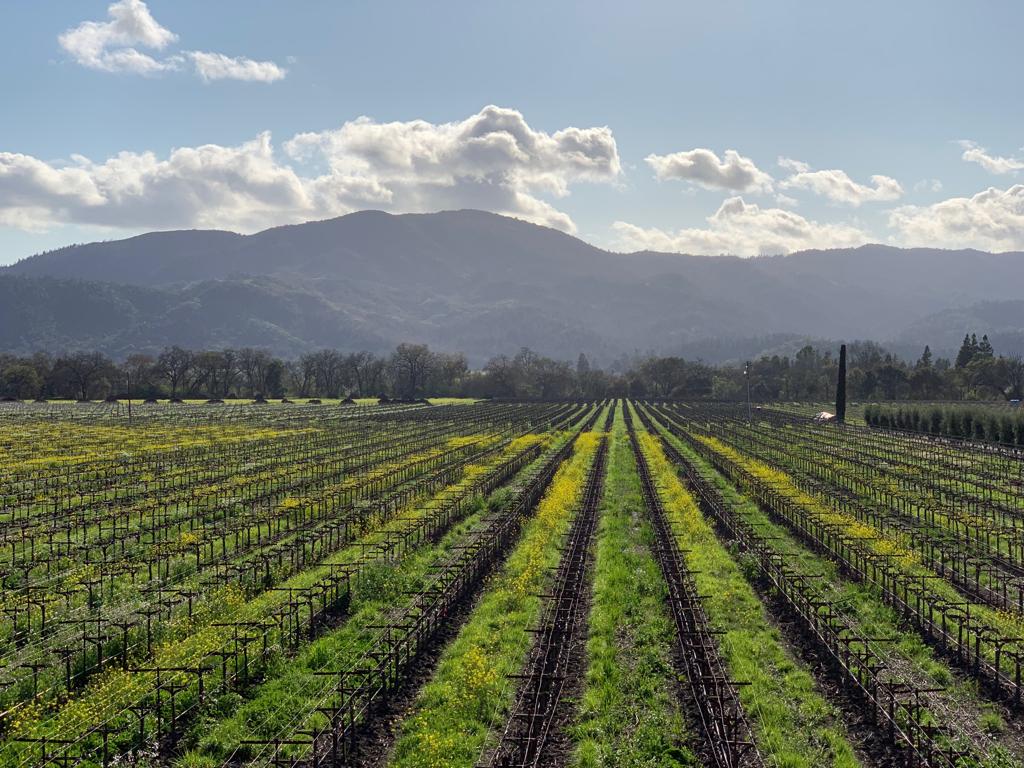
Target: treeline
{"points": [[414, 370], [977, 373], [991, 425]]}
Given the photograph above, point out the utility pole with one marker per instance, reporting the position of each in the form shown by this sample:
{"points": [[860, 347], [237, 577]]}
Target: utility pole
{"points": [[128, 375]]}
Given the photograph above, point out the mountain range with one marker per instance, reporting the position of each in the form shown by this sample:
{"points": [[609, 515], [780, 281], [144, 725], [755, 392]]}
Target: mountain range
{"points": [[485, 284]]}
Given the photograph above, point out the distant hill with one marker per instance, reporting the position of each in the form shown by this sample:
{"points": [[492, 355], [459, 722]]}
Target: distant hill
{"points": [[484, 284]]}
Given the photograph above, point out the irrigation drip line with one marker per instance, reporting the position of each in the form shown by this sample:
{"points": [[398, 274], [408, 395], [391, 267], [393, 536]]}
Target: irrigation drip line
{"points": [[895, 708], [526, 731], [301, 612], [727, 735], [395, 652], [983, 650]]}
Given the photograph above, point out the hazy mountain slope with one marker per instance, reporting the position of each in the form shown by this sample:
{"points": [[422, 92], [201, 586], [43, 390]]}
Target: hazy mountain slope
{"points": [[58, 315], [1003, 321], [483, 284]]}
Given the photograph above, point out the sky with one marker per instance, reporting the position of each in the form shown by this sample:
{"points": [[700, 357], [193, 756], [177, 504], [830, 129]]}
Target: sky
{"points": [[698, 127]]}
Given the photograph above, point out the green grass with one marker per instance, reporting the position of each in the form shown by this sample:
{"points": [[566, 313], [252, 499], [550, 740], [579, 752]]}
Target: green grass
{"points": [[871, 616], [291, 684], [794, 725], [471, 693], [628, 716]]}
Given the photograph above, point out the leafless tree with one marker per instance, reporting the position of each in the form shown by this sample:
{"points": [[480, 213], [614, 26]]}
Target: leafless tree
{"points": [[411, 365], [174, 365], [253, 365], [501, 375], [359, 366], [84, 370]]}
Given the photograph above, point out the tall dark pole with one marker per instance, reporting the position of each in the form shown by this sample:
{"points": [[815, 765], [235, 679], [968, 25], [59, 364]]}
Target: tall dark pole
{"points": [[746, 373], [841, 386], [129, 377]]}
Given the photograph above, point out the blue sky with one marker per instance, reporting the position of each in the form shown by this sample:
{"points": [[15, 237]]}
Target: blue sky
{"points": [[658, 124]]}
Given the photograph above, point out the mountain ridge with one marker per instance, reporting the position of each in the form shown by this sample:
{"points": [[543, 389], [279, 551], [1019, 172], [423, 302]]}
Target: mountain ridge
{"points": [[485, 284]]}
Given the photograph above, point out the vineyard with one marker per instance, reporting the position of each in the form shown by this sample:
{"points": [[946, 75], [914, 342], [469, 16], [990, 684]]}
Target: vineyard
{"points": [[507, 584]]}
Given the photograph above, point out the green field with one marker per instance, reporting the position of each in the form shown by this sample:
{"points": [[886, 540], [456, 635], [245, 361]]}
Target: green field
{"points": [[464, 583]]}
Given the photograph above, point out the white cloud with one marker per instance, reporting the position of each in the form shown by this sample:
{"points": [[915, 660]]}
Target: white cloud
{"points": [[973, 153], [990, 220], [130, 25], [743, 229], [217, 66], [702, 166], [493, 160], [837, 186], [795, 166], [202, 186], [112, 46]]}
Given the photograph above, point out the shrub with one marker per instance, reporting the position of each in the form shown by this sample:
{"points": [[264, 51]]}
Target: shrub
{"points": [[978, 422]]}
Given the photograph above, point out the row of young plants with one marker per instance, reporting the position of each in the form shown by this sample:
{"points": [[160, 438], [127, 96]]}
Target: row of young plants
{"points": [[456, 713], [189, 586], [981, 639], [216, 523], [950, 528], [286, 700], [629, 713], [394, 656], [975, 471], [961, 468], [971, 725], [793, 724], [952, 521], [115, 691], [973, 422]]}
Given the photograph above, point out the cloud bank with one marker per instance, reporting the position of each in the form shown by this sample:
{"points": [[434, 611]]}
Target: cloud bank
{"points": [[492, 160], [743, 229], [991, 220], [113, 46]]}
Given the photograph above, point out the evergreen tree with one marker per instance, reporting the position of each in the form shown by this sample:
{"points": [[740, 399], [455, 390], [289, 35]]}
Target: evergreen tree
{"points": [[966, 353], [925, 363], [985, 347], [841, 386]]}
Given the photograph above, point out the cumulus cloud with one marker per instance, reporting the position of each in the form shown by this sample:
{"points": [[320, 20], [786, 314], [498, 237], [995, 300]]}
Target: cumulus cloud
{"points": [[210, 185], [837, 186], [701, 166], [743, 229], [110, 46], [973, 153], [113, 46], [492, 160], [990, 220]]}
